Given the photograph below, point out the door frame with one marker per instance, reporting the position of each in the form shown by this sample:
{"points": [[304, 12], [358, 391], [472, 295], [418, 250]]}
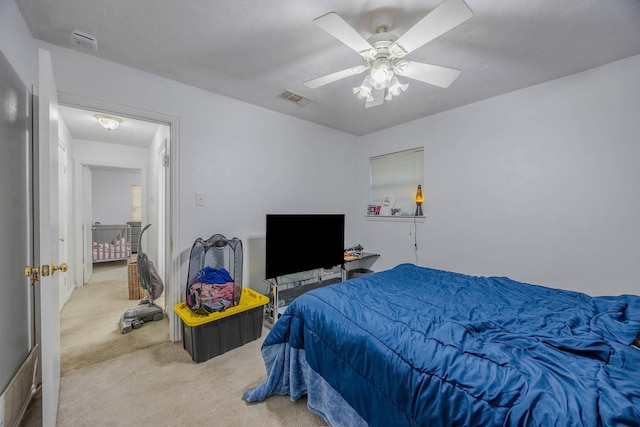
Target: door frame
{"points": [[83, 214], [82, 178], [172, 258]]}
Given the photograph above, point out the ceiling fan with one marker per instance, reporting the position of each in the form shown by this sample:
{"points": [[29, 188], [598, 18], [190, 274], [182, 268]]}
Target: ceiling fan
{"points": [[383, 51]]}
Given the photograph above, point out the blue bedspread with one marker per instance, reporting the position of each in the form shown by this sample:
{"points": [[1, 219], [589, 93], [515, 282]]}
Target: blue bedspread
{"points": [[422, 347]]}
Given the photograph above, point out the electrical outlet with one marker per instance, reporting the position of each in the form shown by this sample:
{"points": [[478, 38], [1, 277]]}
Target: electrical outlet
{"points": [[199, 199]]}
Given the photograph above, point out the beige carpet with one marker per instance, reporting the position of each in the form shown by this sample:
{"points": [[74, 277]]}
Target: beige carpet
{"points": [[162, 386], [111, 383], [89, 321]]}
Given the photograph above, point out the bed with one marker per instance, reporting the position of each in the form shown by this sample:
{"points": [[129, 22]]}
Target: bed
{"points": [[422, 347]]}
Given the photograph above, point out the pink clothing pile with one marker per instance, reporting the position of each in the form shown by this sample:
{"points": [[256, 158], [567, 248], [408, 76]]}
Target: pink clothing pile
{"points": [[215, 292]]}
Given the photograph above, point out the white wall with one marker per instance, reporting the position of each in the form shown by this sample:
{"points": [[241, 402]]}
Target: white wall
{"points": [[16, 42], [246, 160], [540, 185], [111, 195], [16, 315], [537, 184], [110, 155]]}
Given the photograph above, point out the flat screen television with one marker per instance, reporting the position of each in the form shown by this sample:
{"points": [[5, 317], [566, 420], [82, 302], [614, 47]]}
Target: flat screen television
{"points": [[302, 242]]}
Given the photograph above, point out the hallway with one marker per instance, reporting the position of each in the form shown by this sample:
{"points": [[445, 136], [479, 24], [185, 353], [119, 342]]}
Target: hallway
{"points": [[90, 327]]}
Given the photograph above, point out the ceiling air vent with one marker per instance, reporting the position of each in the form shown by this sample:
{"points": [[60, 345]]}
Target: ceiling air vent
{"points": [[84, 40], [287, 95]]}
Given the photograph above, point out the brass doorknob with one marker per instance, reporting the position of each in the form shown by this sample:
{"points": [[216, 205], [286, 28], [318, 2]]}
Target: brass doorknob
{"points": [[29, 271], [62, 267]]}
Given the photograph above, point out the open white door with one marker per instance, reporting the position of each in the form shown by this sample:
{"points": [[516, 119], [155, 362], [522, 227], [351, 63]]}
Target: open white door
{"points": [[47, 237]]}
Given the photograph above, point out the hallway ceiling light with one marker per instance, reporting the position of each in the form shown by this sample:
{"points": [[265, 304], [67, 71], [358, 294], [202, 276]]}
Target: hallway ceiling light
{"points": [[108, 122]]}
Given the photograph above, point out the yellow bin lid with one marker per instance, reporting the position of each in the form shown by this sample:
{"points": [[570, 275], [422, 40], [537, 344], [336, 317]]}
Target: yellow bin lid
{"points": [[248, 300]]}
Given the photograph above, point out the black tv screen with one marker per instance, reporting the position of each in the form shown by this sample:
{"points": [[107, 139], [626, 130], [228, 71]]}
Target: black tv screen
{"points": [[302, 242]]}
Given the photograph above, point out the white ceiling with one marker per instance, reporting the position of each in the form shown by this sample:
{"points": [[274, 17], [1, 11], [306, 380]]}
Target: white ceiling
{"points": [[253, 50], [83, 125]]}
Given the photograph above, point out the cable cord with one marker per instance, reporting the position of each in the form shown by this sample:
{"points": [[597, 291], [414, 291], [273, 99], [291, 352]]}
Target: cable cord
{"points": [[415, 238]]}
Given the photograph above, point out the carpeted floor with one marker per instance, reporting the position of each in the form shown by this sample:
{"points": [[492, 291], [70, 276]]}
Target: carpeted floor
{"points": [[89, 322], [110, 379]]}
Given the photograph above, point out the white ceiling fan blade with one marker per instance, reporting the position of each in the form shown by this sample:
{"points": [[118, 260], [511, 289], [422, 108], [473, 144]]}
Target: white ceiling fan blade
{"points": [[446, 16], [330, 78], [432, 74], [378, 98], [333, 24]]}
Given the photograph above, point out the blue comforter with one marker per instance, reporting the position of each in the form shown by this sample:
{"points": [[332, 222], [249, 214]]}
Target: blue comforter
{"points": [[421, 347]]}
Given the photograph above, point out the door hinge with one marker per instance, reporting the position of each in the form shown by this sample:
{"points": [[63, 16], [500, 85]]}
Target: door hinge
{"points": [[165, 161]]}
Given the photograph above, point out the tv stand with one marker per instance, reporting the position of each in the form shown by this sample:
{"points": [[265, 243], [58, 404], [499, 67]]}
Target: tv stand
{"points": [[283, 290]]}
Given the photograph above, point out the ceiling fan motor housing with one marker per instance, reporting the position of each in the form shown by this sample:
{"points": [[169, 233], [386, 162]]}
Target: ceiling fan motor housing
{"points": [[382, 22], [381, 42]]}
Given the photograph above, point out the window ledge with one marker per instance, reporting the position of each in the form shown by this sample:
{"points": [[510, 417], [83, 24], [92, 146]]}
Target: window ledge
{"points": [[395, 218]]}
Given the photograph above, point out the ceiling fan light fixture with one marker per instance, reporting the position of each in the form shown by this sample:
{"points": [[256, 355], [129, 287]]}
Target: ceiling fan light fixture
{"points": [[381, 74], [364, 91], [379, 78], [395, 89], [108, 122]]}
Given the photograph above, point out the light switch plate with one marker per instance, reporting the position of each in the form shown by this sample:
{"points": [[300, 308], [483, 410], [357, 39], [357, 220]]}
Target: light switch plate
{"points": [[199, 199]]}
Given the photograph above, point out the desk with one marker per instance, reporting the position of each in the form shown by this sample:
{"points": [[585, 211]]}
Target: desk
{"points": [[364, 261]]}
